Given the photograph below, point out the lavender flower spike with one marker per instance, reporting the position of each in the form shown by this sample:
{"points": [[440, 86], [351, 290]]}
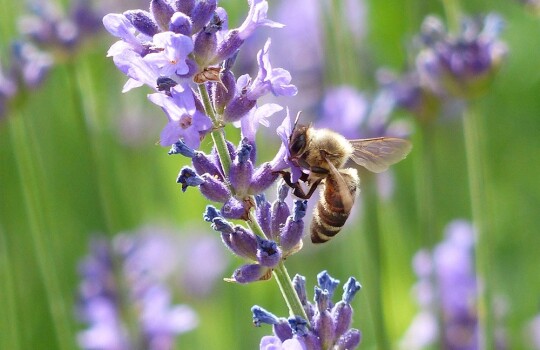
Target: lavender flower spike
{"points": [[330, 325]]}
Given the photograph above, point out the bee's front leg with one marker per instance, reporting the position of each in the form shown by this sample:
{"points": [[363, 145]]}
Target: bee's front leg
{"points": [[298, 191]]}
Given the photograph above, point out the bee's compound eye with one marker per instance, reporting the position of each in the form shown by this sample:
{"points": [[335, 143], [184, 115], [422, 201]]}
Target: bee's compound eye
{"points": [[298, 144]]}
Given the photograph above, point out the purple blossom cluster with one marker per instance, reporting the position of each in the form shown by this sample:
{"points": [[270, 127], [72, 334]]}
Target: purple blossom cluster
{"points": [[283, 232], [328, 324], [460, 65], [47, 35], [123, 297], [447, 293], [180, 44]]}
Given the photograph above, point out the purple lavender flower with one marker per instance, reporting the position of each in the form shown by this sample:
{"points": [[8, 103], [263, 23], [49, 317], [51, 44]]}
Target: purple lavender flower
{"points": [[344, 110], [120, 26], [100, 300], [461, 65], [268, 79], [31, 63], [283, 235], [451, 267], [330, 324], [46, 25], [282, 160], [255, 18], [257, 116], [168, 50], [185, 121], [172, 52], [275, 80]]}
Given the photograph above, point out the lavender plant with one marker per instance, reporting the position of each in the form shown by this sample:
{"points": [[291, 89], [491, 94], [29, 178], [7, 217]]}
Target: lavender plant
{"points": [[455, 63], [330, 322], [47, 36], [447, 292], [185, 52], [123, 297]]}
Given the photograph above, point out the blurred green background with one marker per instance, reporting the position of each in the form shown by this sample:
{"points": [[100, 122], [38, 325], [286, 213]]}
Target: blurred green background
{"points": [[67, 172]]}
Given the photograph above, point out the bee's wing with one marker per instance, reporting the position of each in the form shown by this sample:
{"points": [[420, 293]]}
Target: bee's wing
{"points": [[377, 154], [343, 188]]}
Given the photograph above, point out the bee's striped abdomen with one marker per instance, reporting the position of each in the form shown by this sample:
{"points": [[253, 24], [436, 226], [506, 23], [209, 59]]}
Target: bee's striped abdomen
{"points": [[330, 213]]}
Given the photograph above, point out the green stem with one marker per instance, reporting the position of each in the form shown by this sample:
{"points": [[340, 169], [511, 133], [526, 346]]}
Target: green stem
{"points": [[425, 173], [473, 130], [453, 14], [374, 255], [218, 135], [38, 228], [10, 316], [287, 290]]}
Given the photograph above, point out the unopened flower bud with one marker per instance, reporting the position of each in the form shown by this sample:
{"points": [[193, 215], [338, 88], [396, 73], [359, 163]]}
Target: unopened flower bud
{"points": [[229, 46], [323, 325], [180, 24], [241, 171], [214, 189], [202, 13], [142, 21], [233, 209], [349, 340], [262, 178], [162, 12], [242, 243], [268, 252], [224, 92], [250, 273], [292, 232], [185, 6], [205, 164], [262, 213]]}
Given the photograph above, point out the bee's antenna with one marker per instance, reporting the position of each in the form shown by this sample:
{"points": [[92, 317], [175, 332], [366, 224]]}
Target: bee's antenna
{"points": [[297, 119]]}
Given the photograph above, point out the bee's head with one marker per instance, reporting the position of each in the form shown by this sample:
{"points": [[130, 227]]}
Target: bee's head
{"points": [[298, 140]]}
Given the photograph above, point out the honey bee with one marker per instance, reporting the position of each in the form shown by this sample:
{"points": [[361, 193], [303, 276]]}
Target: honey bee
{"points": [[324, 153]]}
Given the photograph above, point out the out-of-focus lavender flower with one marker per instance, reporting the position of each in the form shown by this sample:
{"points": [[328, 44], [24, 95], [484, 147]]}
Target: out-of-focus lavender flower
{"points": [[451, 266], [47, 26], [532, 333], [464, 64], [31, 64], [409, 93], [131, 274], [448, 287], [343, 110], [330, 323], [46, 35]]}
